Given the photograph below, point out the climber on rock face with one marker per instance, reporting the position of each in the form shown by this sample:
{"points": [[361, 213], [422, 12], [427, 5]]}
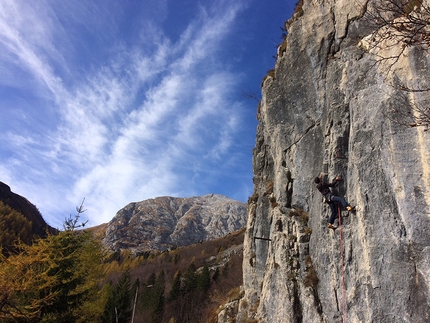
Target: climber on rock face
{"points": [[331, 199]]}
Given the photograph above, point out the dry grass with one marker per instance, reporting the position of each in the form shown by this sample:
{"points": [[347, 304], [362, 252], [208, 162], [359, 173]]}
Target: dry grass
{"points": [[301, 214], [270, 73], [299, 8], [311, 279], [235, 294], [282, 48], [253, 198], [307, 230], [273, 202], [269, 188]]}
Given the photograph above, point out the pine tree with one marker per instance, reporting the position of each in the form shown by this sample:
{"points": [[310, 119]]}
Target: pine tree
{"points": [[158, 299], [50, 280], [152, 297], [119, 305], [146, 296], [109, 313], [190, 279], [215, 276], [204, 280], [14, 227], [176, 287]]}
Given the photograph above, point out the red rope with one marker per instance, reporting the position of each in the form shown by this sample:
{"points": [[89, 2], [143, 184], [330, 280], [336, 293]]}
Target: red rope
{"points": [[343, 266]]}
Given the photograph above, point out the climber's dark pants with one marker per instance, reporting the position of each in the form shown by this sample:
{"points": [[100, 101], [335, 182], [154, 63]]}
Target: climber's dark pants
{"points": [[334, 200]]}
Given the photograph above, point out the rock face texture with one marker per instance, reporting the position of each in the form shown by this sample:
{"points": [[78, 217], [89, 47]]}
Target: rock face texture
{"points": [[166, 222], [327, 107]]}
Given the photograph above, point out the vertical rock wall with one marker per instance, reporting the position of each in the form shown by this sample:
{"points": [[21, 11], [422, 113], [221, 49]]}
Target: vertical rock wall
{"points": [[325, 109]]}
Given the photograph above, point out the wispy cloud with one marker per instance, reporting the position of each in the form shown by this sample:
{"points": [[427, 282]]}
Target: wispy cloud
{"points": [[150, 119]]}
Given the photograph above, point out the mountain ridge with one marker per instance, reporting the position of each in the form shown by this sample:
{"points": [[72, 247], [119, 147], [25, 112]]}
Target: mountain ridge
{"points": [[166, 222], [19, 203], [155, 224]]}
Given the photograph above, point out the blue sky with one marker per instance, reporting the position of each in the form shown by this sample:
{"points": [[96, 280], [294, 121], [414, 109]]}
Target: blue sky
{"points": [[121, 101]]}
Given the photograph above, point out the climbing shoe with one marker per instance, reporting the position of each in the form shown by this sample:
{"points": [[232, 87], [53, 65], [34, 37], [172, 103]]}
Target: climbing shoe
{"points": [[350, 208], [331, 226]]}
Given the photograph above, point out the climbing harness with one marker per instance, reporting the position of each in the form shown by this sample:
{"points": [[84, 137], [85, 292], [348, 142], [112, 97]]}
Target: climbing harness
{"points": [[343, 266]]}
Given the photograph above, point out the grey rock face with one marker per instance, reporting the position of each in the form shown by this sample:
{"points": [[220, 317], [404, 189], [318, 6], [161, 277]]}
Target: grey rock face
{"points": [[325, 109], [165, 222]]}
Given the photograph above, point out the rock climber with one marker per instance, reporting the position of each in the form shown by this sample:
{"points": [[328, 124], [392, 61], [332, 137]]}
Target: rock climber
{"points": [[330, 198]]}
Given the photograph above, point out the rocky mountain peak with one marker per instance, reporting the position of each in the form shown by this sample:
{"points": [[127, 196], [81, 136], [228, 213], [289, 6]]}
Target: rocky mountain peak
{"points": [[165, 222]]}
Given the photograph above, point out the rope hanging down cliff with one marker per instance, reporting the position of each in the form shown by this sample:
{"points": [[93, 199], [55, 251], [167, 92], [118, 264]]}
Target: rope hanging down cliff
{"points": [[343, 264], [333, 201]]}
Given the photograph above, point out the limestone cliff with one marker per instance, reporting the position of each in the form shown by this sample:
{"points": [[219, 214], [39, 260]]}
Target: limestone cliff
{"points": [[328, 107]]}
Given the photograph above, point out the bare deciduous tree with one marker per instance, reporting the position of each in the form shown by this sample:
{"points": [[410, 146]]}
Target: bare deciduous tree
{"points": [[397, 25], [409, 113]]}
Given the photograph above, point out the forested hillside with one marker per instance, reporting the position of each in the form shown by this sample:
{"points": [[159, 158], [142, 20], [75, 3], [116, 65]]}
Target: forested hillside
{"points": [[187, 284], [70, 277], [19, 218]]}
